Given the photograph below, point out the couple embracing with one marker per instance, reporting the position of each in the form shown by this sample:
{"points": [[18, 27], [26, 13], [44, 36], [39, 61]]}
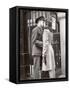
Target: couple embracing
{"points": [[41, 47]]}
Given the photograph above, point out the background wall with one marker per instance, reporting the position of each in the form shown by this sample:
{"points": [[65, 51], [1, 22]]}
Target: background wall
{"points": [[4, 44], [62, 21]]}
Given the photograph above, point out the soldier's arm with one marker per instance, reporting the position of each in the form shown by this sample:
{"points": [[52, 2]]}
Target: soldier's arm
{"points": [[34, 36], [35, 41], [39, 43]]}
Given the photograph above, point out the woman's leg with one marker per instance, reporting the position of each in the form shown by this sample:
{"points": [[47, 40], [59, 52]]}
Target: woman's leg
{"points": [[45, 75], [52, 74]]}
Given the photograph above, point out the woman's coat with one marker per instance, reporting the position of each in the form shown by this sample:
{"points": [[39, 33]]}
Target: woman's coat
{"points": [[48, 52]]}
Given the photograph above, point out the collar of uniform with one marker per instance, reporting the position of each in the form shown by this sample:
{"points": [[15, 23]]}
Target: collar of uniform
{"points": [[40, 28]]}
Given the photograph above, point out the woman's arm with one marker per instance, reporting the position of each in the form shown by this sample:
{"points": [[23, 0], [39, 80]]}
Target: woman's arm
{"points": [[45, 42]]}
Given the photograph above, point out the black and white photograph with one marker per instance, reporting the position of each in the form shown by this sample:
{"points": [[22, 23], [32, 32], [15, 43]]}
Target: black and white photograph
{"points": [[42, 44], [34, 45]]}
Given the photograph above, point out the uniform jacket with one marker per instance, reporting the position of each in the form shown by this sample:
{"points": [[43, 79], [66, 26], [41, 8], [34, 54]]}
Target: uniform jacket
{"points": [[37, 43]]}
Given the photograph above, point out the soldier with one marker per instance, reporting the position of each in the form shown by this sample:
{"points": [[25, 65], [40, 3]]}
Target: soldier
{"points": [[37, 44]]}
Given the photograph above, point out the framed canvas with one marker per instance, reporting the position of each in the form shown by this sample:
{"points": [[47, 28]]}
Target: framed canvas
{"points": [[38, 44]]}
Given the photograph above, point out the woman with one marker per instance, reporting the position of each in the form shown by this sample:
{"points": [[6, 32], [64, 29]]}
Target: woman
{"points": [[48, 62]]}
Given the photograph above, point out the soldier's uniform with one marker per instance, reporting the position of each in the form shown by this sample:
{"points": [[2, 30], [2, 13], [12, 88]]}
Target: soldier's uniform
{"points": [[37, 50]]}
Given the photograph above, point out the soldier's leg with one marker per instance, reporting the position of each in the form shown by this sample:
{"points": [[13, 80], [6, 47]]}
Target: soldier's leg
{"points": [[37, 67]]}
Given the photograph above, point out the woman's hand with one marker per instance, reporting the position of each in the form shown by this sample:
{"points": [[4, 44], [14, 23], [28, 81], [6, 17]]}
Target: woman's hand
{"points": [[44, 59]]}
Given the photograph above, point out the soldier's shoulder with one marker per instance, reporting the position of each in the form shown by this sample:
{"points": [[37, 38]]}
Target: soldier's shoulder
{"points": [[35, 29]]}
